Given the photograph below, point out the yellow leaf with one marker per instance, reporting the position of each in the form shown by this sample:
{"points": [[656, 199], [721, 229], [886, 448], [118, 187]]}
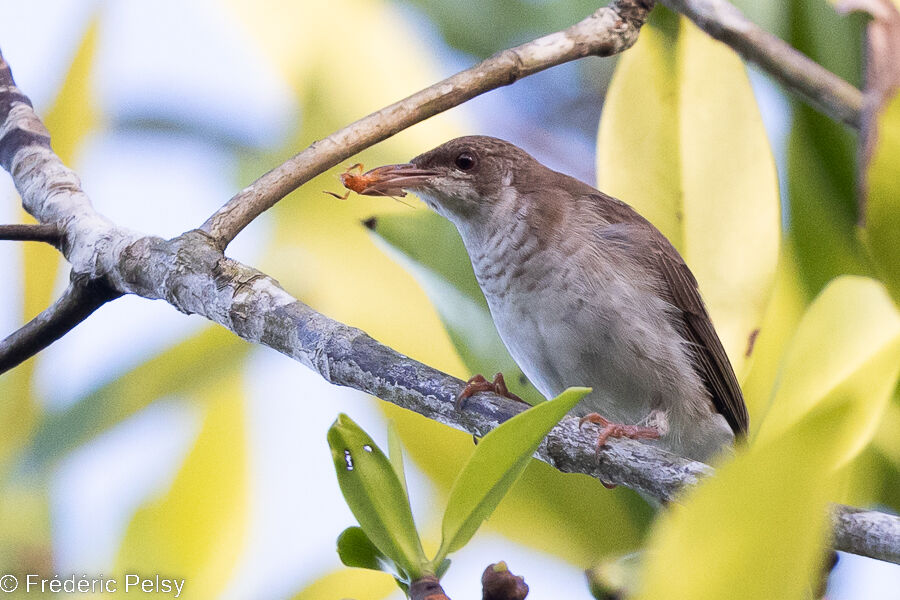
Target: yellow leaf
{"points": [[756, 529], [359, 584], [196, 531], [681, 140], [882, 233], [847, 344], [778, 325]]}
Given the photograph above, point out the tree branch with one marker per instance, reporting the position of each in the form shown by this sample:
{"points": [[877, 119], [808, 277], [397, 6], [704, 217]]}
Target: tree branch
{"points": [[31, 233], [818, 86], [610, 30], [80, 299]]}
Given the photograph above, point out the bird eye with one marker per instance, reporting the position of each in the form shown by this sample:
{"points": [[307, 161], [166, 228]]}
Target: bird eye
{"points": [[465, 161]]}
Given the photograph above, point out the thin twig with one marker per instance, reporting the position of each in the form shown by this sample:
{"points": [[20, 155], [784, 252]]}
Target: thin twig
{"points": [[815, 84], [80, 299], [37, 232], [610, 30]]}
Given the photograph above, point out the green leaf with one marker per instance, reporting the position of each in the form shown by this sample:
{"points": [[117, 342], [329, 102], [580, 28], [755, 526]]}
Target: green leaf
{"points": [[498, 461], [442, 568], [821, 161], [429, 247], [395, 455], [356, 550], [847, 344], [615, 578], [882, 201], [484, 28], [375, 495], [823, 214], [666, 146]]}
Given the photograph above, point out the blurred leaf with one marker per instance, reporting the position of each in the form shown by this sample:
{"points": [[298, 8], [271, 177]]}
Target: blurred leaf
{"points": [[75, 113], [822, 153], [822, 200], [786, 307], [375, 496], [188, 366], [872, 481], [196, 531], [832, 40], [498, 461], [615, 578], [677, 103], [882, 203], [26, 543], [395, 455], [483, 28], [847, 346], [70, 119], [771, 15], [349, 583], [430, 248], [755, 530], [356, 550], [887, 440]]}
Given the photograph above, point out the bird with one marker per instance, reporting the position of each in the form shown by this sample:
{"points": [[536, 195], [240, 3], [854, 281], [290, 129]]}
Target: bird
{"points": [[583, 291]]}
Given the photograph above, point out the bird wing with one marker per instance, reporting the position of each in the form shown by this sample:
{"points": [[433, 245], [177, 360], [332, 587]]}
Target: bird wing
{"points": [[680, 289]]}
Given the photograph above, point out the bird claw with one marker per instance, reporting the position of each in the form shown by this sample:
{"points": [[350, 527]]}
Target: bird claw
{"points": [[609, 429], [479, 384], [618, 430]]}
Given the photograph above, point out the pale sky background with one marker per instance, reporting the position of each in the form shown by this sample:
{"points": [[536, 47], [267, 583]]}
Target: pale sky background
{"points": [[154, 47]]}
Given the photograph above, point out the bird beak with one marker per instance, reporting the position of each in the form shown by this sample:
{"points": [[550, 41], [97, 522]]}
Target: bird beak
{"points": [[391, 180]]}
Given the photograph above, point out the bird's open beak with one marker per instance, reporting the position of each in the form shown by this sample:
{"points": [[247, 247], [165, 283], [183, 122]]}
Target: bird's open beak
{"points": [[392, 180]]}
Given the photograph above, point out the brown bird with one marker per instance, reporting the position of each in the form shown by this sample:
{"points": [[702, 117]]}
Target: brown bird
{"points": [[583, 291]]}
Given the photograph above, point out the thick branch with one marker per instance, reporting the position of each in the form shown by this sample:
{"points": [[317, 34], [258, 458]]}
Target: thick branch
{"points": [[867, 532], [31, 233], [608, 31], [80, 299], [818, 86]]}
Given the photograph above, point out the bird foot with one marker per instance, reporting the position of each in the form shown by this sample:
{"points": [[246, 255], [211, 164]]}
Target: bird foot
{"points": [[617, 430], [479, 384]]}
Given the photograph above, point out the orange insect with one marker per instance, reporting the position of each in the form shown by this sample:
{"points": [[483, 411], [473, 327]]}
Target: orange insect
{"points": [[363, 183]]}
